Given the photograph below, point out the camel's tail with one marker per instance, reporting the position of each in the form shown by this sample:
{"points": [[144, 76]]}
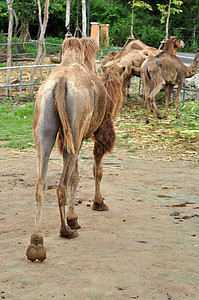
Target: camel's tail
{"points": [[65, 138], [146, 75]]}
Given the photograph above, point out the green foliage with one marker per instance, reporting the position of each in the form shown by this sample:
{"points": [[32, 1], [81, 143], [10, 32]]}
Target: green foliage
{"points": [[140, 4], [117, 14], [163, 8], [151, 35]]}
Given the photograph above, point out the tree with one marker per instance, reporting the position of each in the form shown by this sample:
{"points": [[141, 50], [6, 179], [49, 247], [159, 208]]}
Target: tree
{"points": [[67, 23], [25, 10], [136, 5], [83, 17], [9, 46], [166, 10], [39, 59]]}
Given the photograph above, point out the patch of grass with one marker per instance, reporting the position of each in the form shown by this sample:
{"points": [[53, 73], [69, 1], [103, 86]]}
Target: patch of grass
{"points": [[16, 125], [3, 64]]}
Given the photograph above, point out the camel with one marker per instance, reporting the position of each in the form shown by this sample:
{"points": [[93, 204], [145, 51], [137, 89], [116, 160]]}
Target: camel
{"points": [[76, 104], [135, 57], [165, 71]]}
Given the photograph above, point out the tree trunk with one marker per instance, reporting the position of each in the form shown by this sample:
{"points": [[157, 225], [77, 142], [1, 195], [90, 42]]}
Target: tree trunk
{"points": [[9, 47], [67, 23], [167, 22], [83, 17], [41, 42], [24, 31], [132, 19]]}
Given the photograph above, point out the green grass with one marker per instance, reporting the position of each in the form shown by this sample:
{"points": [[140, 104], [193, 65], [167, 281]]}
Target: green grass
{"points": [[16, 119], [16, 125]]}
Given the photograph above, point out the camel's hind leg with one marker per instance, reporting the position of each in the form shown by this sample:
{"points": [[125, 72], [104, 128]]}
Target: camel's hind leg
{"points": [[147, 104], [152, 96], [168, 90], [104, 142], [180, 85], [69, 178], [43, 150]]}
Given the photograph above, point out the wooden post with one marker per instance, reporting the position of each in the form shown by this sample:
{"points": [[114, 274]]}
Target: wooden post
{"points": [[95, 31], [105, 35]]}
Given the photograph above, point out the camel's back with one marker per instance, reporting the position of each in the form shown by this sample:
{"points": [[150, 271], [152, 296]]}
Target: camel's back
{"points": [[169, 60]]}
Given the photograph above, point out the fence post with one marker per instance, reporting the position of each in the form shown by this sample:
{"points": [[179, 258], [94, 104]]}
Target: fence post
{"points": [[20, 82], [16, 54]]}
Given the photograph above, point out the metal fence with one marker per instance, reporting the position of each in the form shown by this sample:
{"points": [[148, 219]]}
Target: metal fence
{"points": [[20, 84], [18, 50], [18, 54]]}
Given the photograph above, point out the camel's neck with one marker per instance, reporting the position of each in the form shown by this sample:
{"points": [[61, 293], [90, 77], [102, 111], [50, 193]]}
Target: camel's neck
{"points": [[192, 69], [170, 48]]}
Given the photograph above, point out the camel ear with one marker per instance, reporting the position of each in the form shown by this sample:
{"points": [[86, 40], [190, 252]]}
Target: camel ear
{"points": [[103, 68], [122, 70]]}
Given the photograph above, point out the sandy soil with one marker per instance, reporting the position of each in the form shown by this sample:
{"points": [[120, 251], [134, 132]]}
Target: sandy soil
{"points": [[145, 247]]}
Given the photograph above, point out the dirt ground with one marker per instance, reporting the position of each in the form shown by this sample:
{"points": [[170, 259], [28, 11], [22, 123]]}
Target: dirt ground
{"points": [[145, 247]]}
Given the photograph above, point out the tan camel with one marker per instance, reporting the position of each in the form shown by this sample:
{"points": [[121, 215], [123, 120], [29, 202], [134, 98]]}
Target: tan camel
{"points": [[130, 56], [75, 102], [164, 71]]}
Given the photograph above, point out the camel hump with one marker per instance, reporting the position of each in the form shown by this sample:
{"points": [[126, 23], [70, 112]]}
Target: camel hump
{"points": [[65, 138]]}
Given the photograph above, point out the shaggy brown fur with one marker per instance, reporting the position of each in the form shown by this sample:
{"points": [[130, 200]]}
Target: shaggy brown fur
{"points": [[76, 102], [165, 71]]}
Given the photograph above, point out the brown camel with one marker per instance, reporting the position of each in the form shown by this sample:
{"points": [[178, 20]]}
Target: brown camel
{"points": [[130, 56], [74, 102], [164, 71]]}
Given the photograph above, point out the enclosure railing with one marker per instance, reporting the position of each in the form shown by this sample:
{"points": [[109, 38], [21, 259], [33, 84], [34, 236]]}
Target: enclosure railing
{"points": [[17, 53], [101, 54], [20, 84]]}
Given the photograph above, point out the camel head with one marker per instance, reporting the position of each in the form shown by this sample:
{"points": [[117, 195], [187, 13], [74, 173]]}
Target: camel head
{"points": [[178, 43], [114, 67]]}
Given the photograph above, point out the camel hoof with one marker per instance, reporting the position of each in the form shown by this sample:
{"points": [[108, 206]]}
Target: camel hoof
{"points": [[147, 122], [177, 117], [100, 207], [31, 252], [69, 234], [36, 252], [41, 253], [159, 117], [73, 224]]}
